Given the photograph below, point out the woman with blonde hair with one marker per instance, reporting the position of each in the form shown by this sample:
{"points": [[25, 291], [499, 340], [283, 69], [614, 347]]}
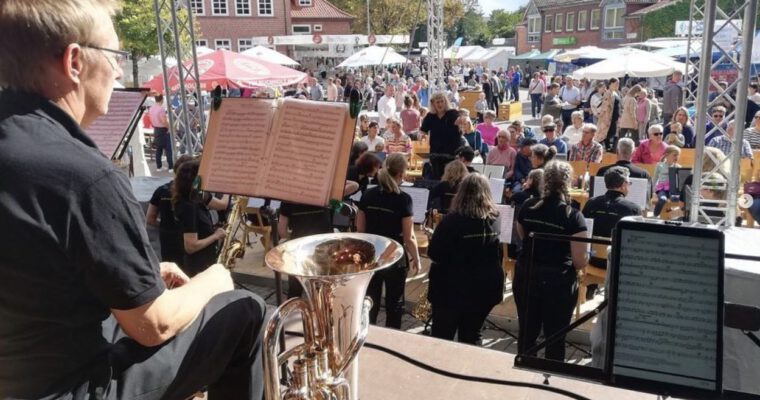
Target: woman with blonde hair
{"points": [[440, 125], [387, 211], [546, 286], [466, 278], [442, 193]]}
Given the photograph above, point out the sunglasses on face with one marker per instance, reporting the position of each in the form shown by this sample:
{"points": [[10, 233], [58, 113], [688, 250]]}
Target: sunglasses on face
{"points": [[718, 116], [656, 133]]}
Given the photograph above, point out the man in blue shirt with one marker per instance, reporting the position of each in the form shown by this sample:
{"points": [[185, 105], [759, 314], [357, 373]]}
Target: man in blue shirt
{"points": [[550, 139], [516, 79]]}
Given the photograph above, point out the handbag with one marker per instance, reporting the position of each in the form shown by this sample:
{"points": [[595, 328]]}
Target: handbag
{"points": [[752, 189]]}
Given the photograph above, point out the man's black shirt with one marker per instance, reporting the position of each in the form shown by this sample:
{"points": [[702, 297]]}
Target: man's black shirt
{"points": [[306, 220], [73, 246], [606, 210], [636, 172], [444, 133]]}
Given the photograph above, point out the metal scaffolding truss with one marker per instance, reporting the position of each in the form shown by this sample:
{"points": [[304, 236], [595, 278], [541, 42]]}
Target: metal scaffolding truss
{"points": [[174, 20], [697, 86], [436, 45]]}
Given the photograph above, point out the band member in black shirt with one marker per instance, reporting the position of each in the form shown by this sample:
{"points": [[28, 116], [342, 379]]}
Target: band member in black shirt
{"points": [[441, 194], [606, 210], [366, 167], [546, 290], [199, 236], [440, 125], [86, 309], [625, 150], [466, 277], [303, 220], [387, 211], [161, 213]]}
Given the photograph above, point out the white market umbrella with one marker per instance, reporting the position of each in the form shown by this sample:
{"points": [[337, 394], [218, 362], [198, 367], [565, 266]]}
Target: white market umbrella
{"points": [[632, 62], [373, 55], [587, 52], [269, 55]]}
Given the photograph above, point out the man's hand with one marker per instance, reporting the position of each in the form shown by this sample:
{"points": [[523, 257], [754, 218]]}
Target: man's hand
{"points": [[173, 276], [220, 233]]}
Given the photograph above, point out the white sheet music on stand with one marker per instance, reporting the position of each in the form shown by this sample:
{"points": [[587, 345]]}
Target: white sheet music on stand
{"points": [[589, 231], [255, 202], [638, 192], [497, 189], [506, 222], [494, 171], [419, 202], [478, 167]]}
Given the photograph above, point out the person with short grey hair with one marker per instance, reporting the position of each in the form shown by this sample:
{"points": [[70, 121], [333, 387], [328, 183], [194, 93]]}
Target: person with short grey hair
{"points": [[625, 149]]}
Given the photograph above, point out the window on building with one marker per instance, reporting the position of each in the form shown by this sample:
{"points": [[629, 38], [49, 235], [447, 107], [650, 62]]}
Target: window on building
{"points": [[596, 19], [225, 44], [559, 21], [219, 7], [201, 43], [197, 7], [304, 3], [301, 29], [244, 44], [534, 28], [614, 25], [266, 7], [570, 22], [549, 23], [582, 20], [318, 28], [242, 7]]}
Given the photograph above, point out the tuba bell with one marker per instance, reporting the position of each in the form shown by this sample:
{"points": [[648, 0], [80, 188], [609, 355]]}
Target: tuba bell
{"points": [[334, 270]]}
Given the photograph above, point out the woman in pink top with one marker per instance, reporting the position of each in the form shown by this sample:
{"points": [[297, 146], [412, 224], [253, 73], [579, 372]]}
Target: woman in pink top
{"points": [[487, 129], [410, 117], [650, 151], [503, 154]]}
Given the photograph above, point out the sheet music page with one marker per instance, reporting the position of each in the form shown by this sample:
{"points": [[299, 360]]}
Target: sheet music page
{"points": [[479, 167], [589, 231], [638, 191], [109, 130], [235, 148], [419, 202], [255, 202], [494, 171], [306, 138], [667, 308], [497, 189], [506, 222]]}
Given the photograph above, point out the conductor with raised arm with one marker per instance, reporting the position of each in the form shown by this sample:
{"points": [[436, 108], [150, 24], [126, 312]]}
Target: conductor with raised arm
{"points": [[86, 311]]}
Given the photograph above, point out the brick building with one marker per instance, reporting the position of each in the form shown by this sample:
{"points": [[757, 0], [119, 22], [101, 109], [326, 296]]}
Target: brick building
{"points": [[231, 24], [568, 24]]}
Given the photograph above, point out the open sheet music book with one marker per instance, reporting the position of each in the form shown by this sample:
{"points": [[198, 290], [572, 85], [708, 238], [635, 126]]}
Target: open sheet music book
{"points": [[292, 150], [113, 131]]}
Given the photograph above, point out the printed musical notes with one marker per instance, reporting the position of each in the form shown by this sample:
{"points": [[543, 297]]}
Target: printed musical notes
{"points": [[419, 202], [109, 131], [667, 308], [295, 150], [305, 141], [506, 222], [235, 149]]}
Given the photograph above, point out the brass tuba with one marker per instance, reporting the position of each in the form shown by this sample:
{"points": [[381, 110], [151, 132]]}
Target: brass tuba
{"points": [[334, 270]]}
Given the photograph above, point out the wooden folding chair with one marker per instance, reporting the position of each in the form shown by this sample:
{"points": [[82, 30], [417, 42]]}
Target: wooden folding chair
{"points": [[591, 275], [255, 224]]}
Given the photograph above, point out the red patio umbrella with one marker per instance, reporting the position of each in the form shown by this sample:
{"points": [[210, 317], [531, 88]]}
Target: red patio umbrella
{"points": [[233, 70]]}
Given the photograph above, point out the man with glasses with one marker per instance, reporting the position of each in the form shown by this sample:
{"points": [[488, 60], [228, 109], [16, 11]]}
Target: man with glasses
{"points": [[587, 149], [726, 142], [87, 311], [717, 124], [550, 139]]}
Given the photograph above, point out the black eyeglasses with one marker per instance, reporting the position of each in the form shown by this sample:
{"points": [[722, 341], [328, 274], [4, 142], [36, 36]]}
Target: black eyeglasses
{"points": [[718, 116], [119, 57], [656, 133]]}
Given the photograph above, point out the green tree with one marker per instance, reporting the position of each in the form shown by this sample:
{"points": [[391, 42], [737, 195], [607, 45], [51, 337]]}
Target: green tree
{"points": [[389, 17], [136, 27], [473, 28], [502, 23]]}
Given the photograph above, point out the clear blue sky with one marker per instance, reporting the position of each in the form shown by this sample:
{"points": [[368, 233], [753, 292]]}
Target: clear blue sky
{"points": [[509, 5]]}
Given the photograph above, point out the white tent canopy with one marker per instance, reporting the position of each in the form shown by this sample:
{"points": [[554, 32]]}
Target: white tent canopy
{"points": [[493, 58], [591, 52], [631, 62], [373, 55], [463, 52], [269, 55]]}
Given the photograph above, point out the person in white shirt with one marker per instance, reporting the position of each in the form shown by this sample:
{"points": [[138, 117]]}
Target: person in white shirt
{"points": [[373, 139], [753, 95], [574, 133], [386, 106], [332, 90], [571, 100]]}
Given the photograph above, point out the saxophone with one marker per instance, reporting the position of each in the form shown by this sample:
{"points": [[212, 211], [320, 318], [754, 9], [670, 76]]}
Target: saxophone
{"points": [[233, 248], [423, 311]]}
